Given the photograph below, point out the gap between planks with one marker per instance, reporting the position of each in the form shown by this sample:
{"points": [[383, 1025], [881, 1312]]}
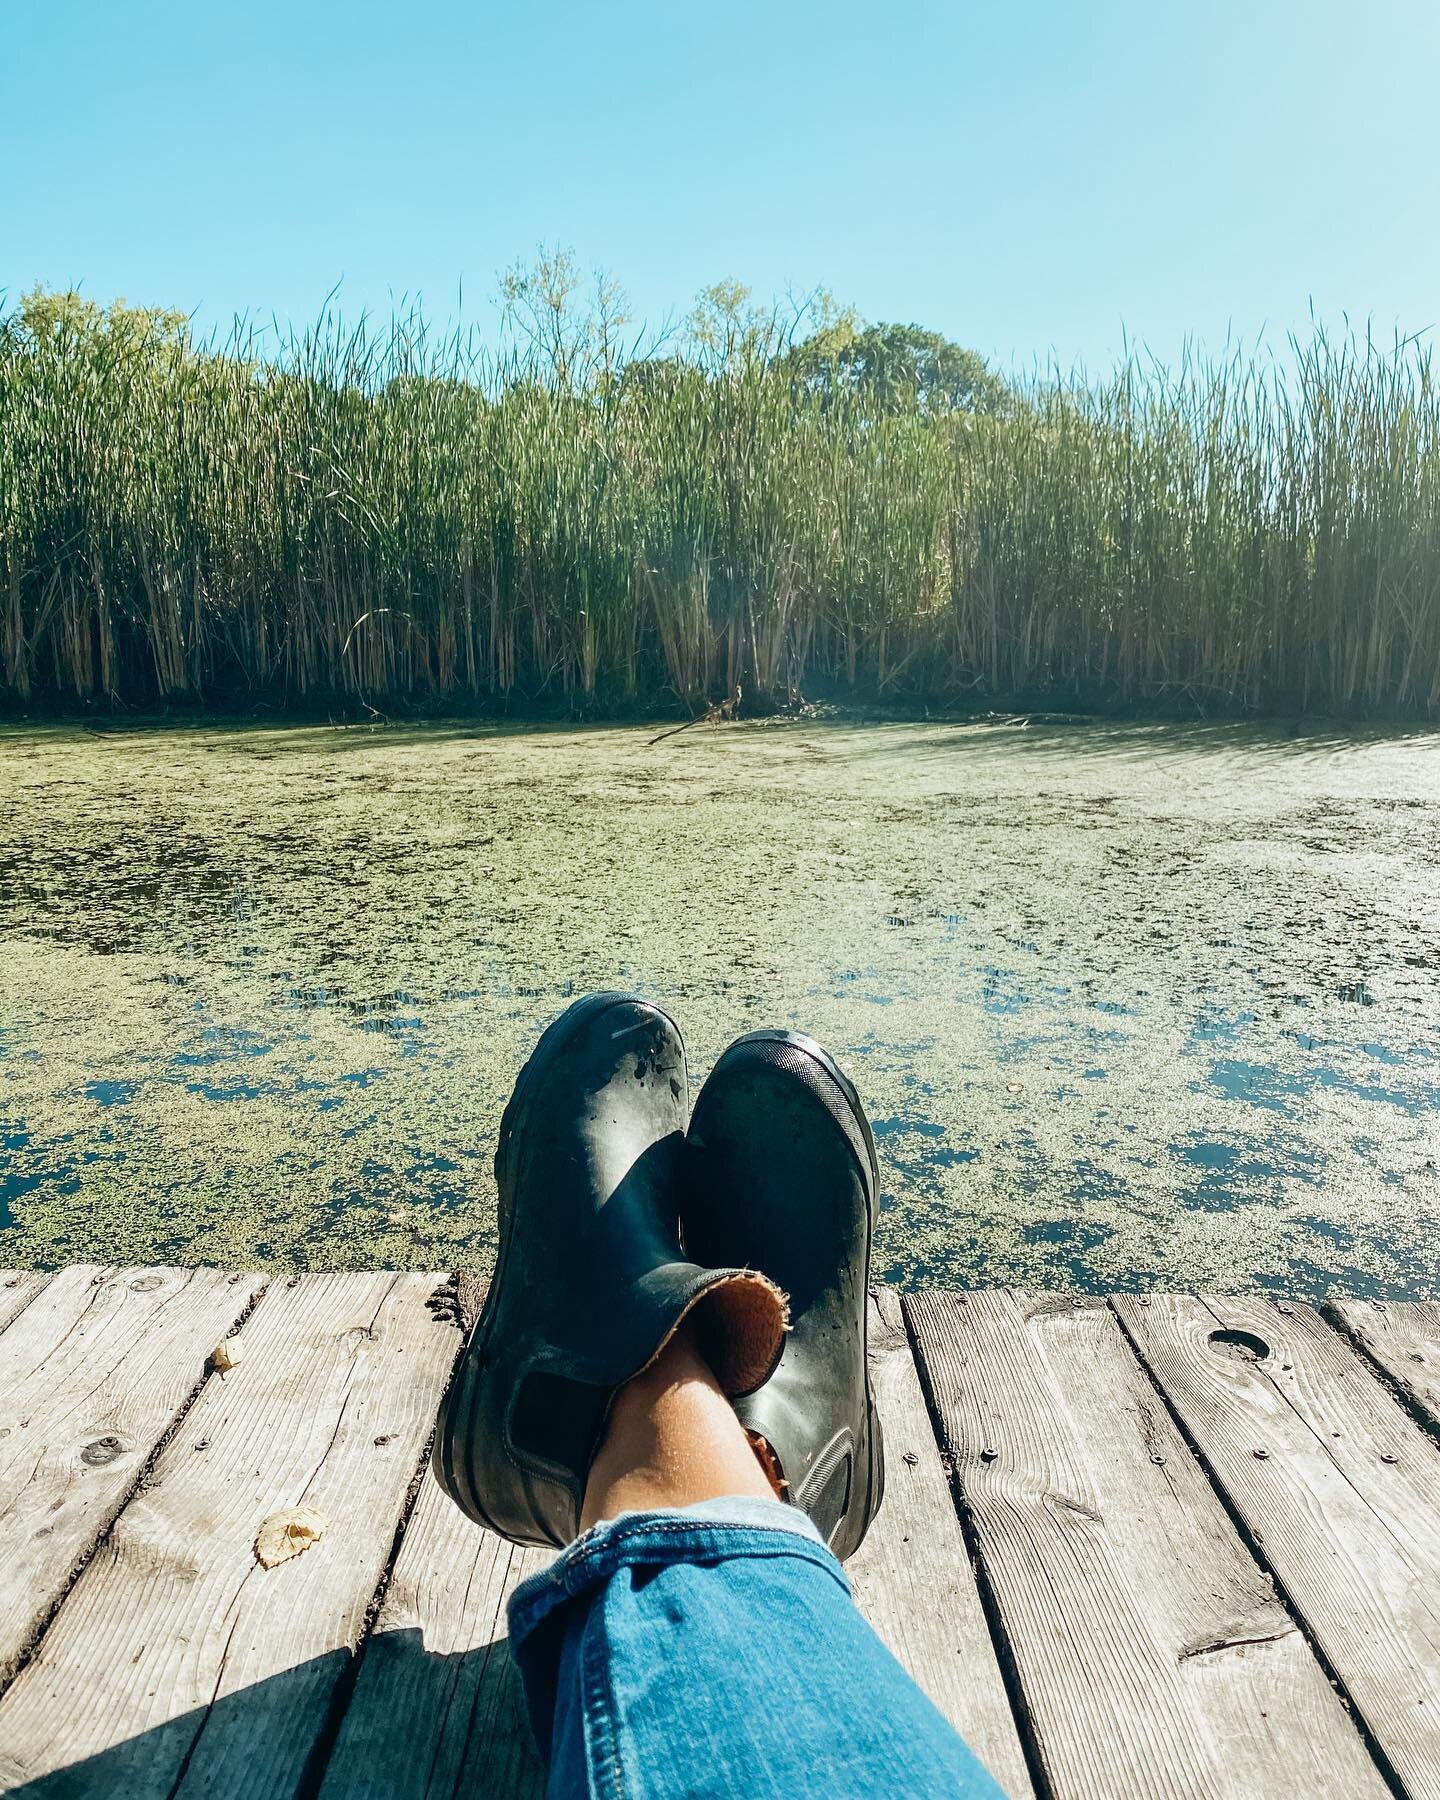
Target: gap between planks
{"points": [[100, 1368], [1402, 1340], [1335, 1483], [168, 1720], [178, 1664], [473, 1665], [1150, 1653]]}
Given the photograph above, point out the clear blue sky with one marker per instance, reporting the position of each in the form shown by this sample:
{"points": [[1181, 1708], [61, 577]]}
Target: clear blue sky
{"points": [[1027, 177]]}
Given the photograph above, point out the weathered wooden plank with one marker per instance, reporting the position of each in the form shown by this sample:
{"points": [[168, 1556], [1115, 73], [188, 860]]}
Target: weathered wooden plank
{"points": [[1403, 1338], [438, 1708], [1153, 1655], [178, 1664], [96, 1369], [18, 1287], [1337, 1485], [912, 1575]]}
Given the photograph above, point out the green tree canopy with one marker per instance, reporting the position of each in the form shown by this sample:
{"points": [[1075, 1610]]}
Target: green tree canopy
{"points": [[46, 313], [898, 366]]}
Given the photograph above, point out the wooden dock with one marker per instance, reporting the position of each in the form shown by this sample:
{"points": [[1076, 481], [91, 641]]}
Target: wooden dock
{"points": [[1163, 1546]]}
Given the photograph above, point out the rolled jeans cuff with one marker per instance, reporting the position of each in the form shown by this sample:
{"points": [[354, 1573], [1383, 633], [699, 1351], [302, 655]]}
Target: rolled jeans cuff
{"points": [[709, 1532]]}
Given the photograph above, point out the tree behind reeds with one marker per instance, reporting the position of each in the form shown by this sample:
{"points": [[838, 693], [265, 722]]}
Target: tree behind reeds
{"points": [[388, 517]]}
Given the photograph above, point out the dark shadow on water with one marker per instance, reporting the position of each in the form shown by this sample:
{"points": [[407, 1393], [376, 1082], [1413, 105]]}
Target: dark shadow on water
{"points": [[416, 1724], [264, 738], [1096, 738], [1036, 732]]}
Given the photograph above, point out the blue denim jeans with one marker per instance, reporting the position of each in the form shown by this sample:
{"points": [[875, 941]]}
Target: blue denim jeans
{"points": [[716, 1650]]}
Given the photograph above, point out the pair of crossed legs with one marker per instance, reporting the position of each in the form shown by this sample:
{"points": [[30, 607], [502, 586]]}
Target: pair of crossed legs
{"points": [[668, 1383]]}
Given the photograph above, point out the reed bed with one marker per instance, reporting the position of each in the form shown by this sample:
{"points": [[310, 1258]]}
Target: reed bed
{"points": [[371, 516]]}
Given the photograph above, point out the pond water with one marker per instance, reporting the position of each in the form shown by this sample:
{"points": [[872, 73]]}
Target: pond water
{"points": [[1130, 1006]]}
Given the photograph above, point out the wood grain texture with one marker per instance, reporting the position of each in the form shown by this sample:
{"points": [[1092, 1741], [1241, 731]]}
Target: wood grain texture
{"points": [[18, 1287], [912, 1576], [438, 1708], [1152, 1653], [179, 1665], [1338, 1486], [96, 1369], [1403, 1339]]}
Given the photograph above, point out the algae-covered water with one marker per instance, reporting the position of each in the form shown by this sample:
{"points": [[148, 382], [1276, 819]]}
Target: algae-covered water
{"points": [[1130, 1006]]}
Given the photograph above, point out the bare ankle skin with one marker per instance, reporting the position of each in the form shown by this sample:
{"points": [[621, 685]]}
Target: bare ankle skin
{"points": [[672, 1439]]}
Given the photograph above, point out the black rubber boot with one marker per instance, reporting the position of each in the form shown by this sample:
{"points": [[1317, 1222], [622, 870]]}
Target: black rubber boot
{"points": [[590, 1282], [781, 1176]]}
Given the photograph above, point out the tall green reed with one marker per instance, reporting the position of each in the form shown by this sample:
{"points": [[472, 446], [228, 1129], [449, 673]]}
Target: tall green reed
{"points": [[383, 515]]}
